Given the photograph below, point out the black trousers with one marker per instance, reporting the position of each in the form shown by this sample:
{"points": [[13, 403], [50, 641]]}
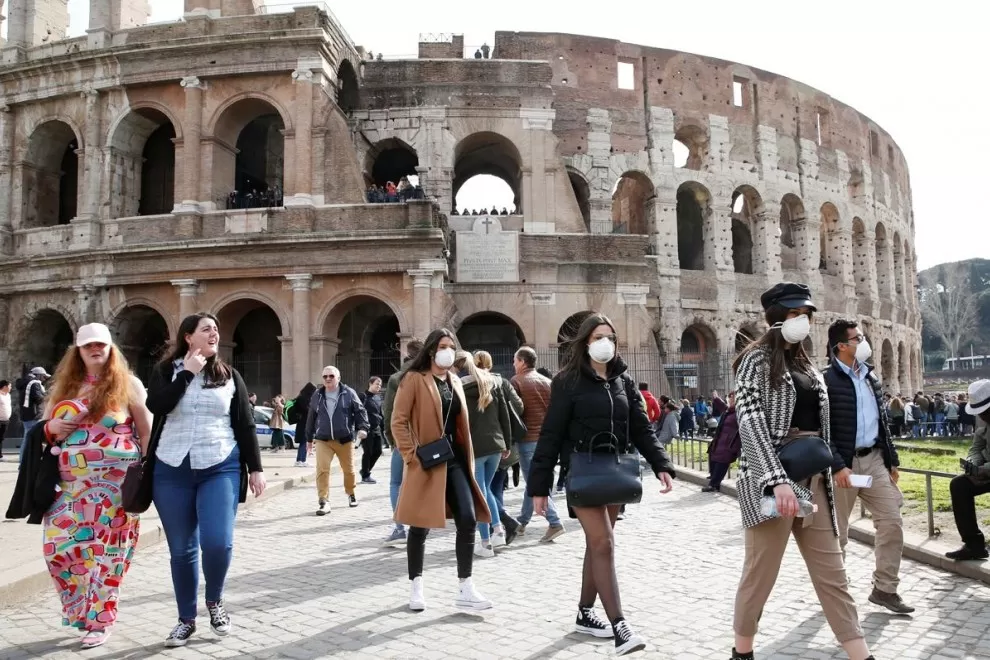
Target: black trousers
{"points": [[371, 452], [718, 472], [3, 432], [460, 498], [964, 490]]}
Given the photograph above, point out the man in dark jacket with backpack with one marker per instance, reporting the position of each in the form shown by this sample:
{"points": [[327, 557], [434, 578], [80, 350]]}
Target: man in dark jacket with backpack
{"points": [[31, 402], [335, 412], [864, 460]]}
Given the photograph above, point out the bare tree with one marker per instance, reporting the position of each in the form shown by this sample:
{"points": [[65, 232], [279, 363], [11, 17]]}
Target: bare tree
{"points": [[949, 307]]}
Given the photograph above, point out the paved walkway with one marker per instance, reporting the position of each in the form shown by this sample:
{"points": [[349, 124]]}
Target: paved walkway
{"points": [[304, 588]]}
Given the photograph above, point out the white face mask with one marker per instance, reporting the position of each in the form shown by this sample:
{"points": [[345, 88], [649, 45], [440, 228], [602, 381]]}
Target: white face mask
{"points": [[795, 330], [444, 358], [863, 350], [602, 350]]}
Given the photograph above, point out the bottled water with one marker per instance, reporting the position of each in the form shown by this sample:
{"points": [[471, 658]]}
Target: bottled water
{"points": [[769, 507]]}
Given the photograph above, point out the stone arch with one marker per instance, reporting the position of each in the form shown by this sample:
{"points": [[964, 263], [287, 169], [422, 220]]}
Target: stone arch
{"points": [[582, 194], [903, 368], [861, 258], [791, 213], [898, 257], [693, 141], [632, 202], [142, 334], [910, 271], [830, 259], [693, 214], [392, 160], [888, 368], [348, 89], [141, 163], [249, 148], [334, 310], [746, 206], [493, 332], [43, 338], [366, 332], [487, 153], [50, 180], [698, 340], [252, 327], [884, 268]]}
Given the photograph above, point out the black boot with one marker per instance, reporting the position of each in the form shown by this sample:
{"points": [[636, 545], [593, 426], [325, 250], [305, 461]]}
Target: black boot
{"points": [[511, 526], [969, 552], [736, 655]]}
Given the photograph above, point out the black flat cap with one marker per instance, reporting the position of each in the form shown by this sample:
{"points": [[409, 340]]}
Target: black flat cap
{"points": [[789, 295]]}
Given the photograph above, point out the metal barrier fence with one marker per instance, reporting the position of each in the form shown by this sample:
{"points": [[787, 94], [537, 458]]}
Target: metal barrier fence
{"points": [[693, 453]]}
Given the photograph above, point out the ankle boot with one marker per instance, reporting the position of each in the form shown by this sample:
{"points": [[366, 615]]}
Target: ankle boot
{"points": [[736, 655]]}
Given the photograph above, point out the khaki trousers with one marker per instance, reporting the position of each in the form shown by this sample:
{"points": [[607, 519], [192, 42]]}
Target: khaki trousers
{"points": [[883, 500], [325, 451], [765, 546]]}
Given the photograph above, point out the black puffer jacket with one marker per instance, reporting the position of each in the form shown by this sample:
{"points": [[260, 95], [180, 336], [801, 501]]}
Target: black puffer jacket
{"points": [[589, 408], [843, 419]]}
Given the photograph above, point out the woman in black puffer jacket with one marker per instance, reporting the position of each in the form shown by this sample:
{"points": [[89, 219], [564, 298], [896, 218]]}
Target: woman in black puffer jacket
{"points": [[591, 400]]}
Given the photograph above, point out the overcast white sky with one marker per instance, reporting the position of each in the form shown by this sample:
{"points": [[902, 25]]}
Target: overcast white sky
{"points": [[918, 69]]}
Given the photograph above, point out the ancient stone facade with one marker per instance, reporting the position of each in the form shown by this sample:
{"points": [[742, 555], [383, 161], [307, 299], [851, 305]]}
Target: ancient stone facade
{"points": [[665, 189]]}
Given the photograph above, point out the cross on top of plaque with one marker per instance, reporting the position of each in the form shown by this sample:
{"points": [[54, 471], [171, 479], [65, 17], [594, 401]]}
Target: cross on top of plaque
{"points": [[487, 222], [486, 225]]}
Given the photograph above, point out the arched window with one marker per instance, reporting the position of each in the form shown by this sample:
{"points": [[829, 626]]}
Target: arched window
{"points": [[862, 257], [831, 257], [253, 175], [745, 204], [690, 147], [495, 333], [883, 257], [693, 211], [348, 93], [51, 178], [493, 157], [631, 203], [791, 212], [391, 161], [142, 165]]}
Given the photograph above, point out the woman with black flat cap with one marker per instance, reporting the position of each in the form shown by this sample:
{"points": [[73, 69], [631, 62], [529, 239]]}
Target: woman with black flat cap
{"points": [[785, 480]]}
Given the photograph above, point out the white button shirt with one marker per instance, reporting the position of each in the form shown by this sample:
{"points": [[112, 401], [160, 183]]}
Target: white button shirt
{"points": [[199, 426]]}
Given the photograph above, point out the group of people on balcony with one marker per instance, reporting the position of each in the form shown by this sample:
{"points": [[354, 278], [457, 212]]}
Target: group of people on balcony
{"points": [[391, 193], [254, 198], [494, 211]]}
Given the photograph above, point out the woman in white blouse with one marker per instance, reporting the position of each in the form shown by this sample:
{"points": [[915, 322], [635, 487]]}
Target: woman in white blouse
{"points": [[206, 455]]}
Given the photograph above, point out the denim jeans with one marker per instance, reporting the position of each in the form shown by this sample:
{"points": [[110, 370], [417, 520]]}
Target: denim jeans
{"points": [[197, 509], [20, 454], [526, 451], [484, 471], [302, 447], [498, 491], [395, 480]]}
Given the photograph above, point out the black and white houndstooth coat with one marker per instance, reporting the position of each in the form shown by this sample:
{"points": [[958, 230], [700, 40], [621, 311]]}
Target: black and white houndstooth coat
{"points": [[764, 413]]}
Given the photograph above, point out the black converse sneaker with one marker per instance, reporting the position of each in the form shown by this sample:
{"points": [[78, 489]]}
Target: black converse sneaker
{"points": [[219, 619], [588, 623], [626, 641], [180, 634]]}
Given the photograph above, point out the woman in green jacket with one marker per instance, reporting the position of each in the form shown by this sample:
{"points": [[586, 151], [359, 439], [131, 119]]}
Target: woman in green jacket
{"points": [[491, 438]]}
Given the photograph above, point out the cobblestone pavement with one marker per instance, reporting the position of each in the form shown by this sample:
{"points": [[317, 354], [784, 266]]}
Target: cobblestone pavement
{"points": [[303, 587]]}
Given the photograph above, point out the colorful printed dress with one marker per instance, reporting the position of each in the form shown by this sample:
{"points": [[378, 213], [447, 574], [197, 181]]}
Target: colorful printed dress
{"points": [[89, 539]]}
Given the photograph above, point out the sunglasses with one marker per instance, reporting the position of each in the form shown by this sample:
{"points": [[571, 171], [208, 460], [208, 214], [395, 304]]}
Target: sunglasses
{"points": [[329, 377]]}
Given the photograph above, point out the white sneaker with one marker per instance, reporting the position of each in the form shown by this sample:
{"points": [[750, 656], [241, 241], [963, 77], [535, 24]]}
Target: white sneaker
{"points": [[498, 539], [468, 597], [417, 601], [482, 550]]}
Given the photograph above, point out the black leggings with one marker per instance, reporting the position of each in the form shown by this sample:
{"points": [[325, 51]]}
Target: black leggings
{"points": [[460, 498]]}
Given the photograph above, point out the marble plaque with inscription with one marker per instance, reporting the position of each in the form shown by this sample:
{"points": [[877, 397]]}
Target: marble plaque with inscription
{"points": [[486, 253]]}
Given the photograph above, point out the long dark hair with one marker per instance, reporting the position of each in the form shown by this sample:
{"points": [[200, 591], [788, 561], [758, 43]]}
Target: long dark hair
{"points": [[217, 372], [424, 358], [577, 354], [783, 356], [305, 394]]}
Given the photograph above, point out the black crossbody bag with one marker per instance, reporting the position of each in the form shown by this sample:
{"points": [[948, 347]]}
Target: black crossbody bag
{"points": [[440, 450]]}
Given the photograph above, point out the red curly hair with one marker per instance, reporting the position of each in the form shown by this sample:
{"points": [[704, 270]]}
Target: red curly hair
{"points": [[112, 391]]}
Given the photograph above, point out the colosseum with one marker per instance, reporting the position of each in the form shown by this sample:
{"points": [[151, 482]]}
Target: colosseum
{"points": [[223, 162]]}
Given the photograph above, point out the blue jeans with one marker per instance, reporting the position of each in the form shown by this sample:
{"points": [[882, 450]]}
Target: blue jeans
{"points": [[395, 480], [20, 454], [498, 490], [301, 447], [197, 509], [526, 451], [484, 471]]}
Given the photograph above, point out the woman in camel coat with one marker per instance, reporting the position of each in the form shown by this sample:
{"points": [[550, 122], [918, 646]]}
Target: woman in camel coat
{"points": [[429, 405]]}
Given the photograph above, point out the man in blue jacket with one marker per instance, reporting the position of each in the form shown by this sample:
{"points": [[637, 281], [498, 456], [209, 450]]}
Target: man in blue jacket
{"points": [[335, 413]]}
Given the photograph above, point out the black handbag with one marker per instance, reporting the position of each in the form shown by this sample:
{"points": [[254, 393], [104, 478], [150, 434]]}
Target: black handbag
{"points": [[603, 479], [440, 450], [803, 457], [136, 491]]}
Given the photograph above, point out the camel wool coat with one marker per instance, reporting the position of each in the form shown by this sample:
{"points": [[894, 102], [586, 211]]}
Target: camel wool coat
{"points": [[416, 418]]}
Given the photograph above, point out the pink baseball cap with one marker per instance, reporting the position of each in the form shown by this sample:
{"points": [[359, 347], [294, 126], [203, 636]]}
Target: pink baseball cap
{"points": [[93, 333]]}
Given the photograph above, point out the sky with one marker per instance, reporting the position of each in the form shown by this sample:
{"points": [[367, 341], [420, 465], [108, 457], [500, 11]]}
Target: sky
{"points": [[917, 69]]}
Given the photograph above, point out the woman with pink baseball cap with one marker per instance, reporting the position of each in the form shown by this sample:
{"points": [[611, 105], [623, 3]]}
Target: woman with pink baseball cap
{"points": [[94, 415]]}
